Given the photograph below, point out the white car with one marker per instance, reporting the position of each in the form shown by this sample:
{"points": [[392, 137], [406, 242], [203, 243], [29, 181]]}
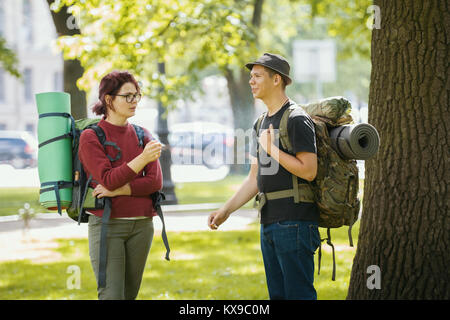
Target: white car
{"points": [[202, 143], [18, 148]]}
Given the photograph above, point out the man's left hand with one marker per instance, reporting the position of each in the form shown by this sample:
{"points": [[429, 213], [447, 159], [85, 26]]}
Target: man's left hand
{"points": [[267, 138]]}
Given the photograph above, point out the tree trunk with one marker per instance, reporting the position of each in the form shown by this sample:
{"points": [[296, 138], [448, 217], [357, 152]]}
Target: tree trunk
{"points": [[166, 158], [72, 68], [243, 107], [242, 102], [405, 222]]}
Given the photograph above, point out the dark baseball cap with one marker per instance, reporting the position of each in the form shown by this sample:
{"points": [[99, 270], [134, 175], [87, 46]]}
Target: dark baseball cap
{"points": [[275, 62]]}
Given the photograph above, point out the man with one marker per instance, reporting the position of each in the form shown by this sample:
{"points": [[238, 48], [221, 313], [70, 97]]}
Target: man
{"points": [[289, 230]]}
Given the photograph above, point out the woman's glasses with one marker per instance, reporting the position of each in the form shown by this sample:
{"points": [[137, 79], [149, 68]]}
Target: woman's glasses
{"points": [[130, 97]]}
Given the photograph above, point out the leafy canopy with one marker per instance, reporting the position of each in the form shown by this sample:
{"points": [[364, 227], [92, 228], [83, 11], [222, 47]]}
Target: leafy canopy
{"points": [[188, 35]]}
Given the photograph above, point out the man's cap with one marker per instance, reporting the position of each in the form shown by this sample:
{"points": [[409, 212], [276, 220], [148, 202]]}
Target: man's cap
{"points": [[275, 62]]}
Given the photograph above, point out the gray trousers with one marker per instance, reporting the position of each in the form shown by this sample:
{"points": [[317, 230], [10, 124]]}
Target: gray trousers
{"points": [[128, 245]]}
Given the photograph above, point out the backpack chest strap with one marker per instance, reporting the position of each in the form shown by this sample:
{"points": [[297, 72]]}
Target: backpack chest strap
{"points": [[301, 193]]}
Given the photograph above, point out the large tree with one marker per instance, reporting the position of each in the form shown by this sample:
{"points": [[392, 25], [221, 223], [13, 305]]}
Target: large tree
{"points": [[188, 36], [405, 225], [66, 25]]}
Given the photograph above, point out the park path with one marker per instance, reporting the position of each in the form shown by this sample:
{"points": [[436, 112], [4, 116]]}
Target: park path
{"points": [[38, 242]]}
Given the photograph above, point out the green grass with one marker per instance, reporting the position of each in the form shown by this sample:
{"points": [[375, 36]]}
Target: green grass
{"points": [[12, 199], [208, 192], [204, 265]]}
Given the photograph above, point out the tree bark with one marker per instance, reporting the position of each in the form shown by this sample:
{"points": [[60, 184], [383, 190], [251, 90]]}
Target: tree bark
{"points": [[242, 102], [72, 68], [405, 222], [166, 158]]}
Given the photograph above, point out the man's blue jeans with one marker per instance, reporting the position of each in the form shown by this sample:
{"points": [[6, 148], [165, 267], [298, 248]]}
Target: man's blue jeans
{"points": [[288, 252]]}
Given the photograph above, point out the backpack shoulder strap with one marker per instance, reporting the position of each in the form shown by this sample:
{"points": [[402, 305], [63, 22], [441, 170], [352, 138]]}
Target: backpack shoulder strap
{"points": [[140, 134], [283, 129], [99, 132], [258, 127], [259, 122], [102, 138]]}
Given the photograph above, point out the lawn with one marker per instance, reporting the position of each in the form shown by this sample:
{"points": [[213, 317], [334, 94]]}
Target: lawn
{"points": [[208, 192], [204, 265], [12, 199]]}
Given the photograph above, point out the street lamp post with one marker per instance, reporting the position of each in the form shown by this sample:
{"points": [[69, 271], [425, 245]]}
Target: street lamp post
{"points": [[166, 158]]}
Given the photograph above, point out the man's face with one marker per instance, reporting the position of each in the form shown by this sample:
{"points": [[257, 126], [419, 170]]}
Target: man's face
{"points": [[260, 82]]}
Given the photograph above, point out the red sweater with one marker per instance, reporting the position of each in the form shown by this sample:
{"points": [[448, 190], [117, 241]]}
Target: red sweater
{"points": [[113, 175]]}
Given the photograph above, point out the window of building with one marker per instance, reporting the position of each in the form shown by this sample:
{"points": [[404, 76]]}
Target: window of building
{"points": [[2, 86], [58, 81], [2, 18], [28, 84], [28, 21], [30, 127]]}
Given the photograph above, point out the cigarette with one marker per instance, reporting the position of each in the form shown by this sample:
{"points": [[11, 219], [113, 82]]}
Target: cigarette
{"points": [[163, 146]]}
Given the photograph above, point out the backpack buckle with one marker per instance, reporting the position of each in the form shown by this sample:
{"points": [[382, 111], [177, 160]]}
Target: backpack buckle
{"points": [[260, 201]]}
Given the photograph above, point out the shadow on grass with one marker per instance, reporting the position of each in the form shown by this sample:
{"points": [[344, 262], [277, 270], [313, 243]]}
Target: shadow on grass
{"points": [[204, 265]]}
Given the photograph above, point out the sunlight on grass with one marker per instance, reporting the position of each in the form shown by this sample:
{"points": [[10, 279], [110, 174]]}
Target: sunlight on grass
{"points": [[204, 265], [210, 192], [12, 199]]}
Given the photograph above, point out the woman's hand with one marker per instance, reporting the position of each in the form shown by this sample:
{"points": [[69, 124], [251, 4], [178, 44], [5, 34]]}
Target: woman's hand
{"points": [[152, 150], [100, 191]]}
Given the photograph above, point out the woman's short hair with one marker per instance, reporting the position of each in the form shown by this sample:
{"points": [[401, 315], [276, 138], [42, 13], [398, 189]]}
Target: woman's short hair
{"points": [[111, 84]]}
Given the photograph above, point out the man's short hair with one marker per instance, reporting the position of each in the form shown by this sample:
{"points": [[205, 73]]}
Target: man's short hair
{"points": [[272, 73]]}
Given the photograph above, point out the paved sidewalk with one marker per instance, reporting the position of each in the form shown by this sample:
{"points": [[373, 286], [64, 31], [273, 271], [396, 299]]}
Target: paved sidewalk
{"points": [[38, 242]]}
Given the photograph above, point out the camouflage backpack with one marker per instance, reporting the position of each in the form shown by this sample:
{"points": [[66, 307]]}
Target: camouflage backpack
{"points": [[335, 188]]}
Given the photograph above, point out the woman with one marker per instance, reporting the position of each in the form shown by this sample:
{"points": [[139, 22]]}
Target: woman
{"points": [[128, 181]]}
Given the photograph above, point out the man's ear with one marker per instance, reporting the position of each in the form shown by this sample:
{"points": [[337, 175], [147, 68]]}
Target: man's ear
{"points": [[278, 80]]}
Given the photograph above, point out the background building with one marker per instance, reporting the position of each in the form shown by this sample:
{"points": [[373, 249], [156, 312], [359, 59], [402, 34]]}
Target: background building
{"points": [[28, 29]]}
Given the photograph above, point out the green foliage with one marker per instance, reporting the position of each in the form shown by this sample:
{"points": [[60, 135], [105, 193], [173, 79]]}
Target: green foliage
{"points": [[347, 22], [135, 35], [8, 59], [191, 36]]}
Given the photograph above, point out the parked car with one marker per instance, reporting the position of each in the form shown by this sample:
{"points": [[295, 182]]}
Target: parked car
{"points": [[203, 143], [18, 148]]}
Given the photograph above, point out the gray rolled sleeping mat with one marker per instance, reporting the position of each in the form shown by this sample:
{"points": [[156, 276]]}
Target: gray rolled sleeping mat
{"points": [[357, 141]]}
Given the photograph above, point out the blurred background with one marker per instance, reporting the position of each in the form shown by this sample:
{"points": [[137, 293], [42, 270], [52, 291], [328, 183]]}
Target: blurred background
{"points": [[188, 57]]}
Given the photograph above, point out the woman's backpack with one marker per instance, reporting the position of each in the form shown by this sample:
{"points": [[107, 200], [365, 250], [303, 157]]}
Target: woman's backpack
{"points": [[82, 199]]}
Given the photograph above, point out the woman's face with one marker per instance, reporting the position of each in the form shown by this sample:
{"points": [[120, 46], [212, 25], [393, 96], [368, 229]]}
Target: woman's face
{"points": [[119, 105]]}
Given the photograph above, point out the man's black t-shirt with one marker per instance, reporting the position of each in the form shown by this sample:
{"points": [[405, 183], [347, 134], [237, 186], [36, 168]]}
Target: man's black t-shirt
{"points": [[273, 177]]}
